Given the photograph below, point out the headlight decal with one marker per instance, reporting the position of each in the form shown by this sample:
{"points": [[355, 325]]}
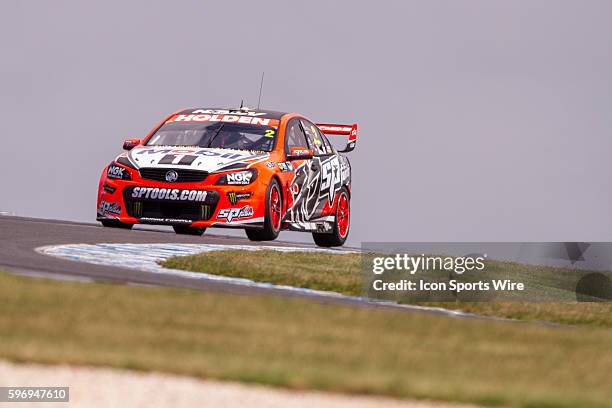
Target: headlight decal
{"points": [[126, 162]]}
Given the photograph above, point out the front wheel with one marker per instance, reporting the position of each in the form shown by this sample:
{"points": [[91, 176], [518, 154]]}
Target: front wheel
{"points": [[116, 224], [272, 219], [341, 224], [186, 230]]}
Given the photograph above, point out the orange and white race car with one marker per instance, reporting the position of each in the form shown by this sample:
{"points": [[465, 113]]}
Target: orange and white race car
{"points": [[259, 170]]}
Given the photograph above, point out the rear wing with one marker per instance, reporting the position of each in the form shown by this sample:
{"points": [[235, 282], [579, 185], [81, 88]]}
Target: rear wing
{"points": [[346, 130]]}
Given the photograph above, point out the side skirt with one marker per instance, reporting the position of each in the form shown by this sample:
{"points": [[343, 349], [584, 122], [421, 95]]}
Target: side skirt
{"points": [[323, 225]]}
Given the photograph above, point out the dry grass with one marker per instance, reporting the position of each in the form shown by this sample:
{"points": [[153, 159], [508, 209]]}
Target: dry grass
{"points": [[303, 345], [343, 273], [322, 271]]}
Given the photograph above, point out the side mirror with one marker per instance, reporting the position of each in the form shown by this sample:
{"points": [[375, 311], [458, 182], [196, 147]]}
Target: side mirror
{"points": [[299, 153], [129, 144]]}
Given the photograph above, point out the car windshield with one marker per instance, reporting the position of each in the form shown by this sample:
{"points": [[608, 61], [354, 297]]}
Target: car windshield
{"points": [[215, 134]]}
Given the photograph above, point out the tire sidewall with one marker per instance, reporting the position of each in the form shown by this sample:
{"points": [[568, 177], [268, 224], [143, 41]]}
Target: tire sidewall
{"points": [[341, 238], [268, 216]]}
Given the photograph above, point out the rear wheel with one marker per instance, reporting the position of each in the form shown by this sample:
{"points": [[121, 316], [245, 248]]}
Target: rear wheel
{"points": [[341, 223], [116, 224], [186, 230], [272, 219]]}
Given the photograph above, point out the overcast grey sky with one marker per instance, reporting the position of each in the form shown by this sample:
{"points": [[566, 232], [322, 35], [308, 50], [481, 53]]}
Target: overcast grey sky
{"points": [[479, 120]]}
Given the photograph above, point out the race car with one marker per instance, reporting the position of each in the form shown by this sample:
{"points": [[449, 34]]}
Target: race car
{"points": [[259, 170]]}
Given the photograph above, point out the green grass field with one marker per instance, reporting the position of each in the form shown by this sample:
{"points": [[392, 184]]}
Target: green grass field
{"points": [[299, 344], [342, 273]]}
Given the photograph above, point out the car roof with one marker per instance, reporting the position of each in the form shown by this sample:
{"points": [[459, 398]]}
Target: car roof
{"points": [[261, 113]]}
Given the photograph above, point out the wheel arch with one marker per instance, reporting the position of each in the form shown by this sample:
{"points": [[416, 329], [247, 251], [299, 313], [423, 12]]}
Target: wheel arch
{"points": [[283, 191]]}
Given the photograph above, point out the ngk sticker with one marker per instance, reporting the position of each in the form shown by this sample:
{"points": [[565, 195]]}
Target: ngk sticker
{"points": [[240, 178], [115, 171], [231, 214]]}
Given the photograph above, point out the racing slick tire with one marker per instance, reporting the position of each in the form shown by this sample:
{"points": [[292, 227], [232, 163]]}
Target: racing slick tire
{"points": [[341, 223], [272, 219], [116, 224], [186, 230]]}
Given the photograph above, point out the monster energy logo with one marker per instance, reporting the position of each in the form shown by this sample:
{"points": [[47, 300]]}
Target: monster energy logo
{"points": [[234, 197], [137, 209], [205, 212]]}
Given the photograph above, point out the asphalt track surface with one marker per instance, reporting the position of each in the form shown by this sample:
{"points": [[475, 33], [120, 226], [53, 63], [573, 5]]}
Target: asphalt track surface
{"points": [[19, 238]]}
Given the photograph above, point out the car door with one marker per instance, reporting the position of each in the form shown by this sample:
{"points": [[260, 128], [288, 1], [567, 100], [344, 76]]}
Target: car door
{"points": [[297, 195], [324, 172], [334, 172]]}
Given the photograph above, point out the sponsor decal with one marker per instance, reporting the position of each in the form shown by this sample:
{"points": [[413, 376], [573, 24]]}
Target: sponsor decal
{"points": [[331, 178], [172, 194], [227, 111], [314, 187], [109, 189], [178, 155], [115, 171], [171, 176], [232, 214], [300, 152], [345, 169], [285, 166], [270, 164], [234, 197], [336, 129], [153, 220], [239, 178], [110, 208], [234, 117]]}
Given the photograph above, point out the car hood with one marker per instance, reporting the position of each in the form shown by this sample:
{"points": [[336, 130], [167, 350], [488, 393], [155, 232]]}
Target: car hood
{"points": [[196, 158]]}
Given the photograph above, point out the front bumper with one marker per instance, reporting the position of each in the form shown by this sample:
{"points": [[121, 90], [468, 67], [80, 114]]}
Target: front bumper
{"points": [[195, 204]]}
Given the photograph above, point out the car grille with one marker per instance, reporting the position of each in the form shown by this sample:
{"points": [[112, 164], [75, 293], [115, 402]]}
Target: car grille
{"points": [[166, 210], [142, 208], [184, 175]]}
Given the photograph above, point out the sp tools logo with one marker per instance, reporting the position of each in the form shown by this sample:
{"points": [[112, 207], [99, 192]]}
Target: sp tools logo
{"points": [[110, 208], [234, 197], [232, 214], [154, 193], [331, 178]]}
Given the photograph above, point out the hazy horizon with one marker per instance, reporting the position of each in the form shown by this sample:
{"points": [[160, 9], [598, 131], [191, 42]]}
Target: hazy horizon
{"points": [[479, 121]]}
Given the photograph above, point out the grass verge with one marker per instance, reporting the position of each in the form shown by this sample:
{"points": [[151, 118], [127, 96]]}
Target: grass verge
{"points": [[303, 345], [342, 273]]}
